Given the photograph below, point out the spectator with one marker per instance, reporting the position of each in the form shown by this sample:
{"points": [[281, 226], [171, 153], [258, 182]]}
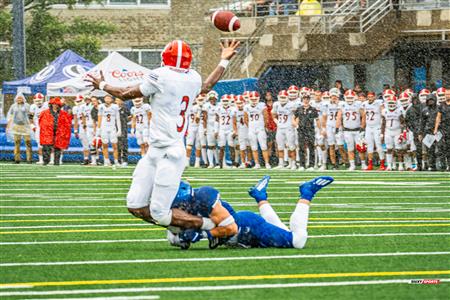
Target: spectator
{"points": [[19, 126], [55, 125], [305, 119], [442, 125], [271, 127], [338, 85], [123, 139], [429, 115]]}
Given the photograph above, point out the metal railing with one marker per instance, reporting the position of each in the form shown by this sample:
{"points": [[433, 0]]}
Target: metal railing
{"points": [[337, 20], [245, 49], [423, 4], [374, 14]]}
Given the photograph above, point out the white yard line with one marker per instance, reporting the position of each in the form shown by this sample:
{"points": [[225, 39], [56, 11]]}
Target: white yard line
{"points": [[210, 287], [207, 259], [165, 240], [146, 224], [151, 297]]}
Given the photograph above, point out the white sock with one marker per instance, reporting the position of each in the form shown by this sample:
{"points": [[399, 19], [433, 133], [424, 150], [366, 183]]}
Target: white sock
{"points": [[94, 159], [280, 162], [408, 161], [52, 157], [41, 159], [299, 224], [381, 153], [352, 163], [116, 161], [286, 155], [271, 216], [389, 159], [297, 155], [210, 154], [204, 155], [197, 160], [324, 157], [86, 158], [216, 155]]}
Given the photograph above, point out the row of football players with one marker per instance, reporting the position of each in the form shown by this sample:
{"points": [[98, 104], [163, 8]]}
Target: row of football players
{"points": [[368, 125], [98, 125]]}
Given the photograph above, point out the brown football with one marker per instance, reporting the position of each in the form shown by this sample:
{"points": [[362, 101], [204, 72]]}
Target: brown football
{"points": [[225, 21]]}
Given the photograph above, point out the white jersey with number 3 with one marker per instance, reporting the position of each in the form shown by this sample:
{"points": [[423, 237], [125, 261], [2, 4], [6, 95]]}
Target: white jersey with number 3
{"points": [[109, 115], [172, 93]]}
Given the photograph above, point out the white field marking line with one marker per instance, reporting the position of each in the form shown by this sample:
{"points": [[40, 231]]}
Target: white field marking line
{"points": [[211, 287], [63, 214], [145, 224], [165, 240], [230, 258], [87, 225], [151, 297], [90, 177]]}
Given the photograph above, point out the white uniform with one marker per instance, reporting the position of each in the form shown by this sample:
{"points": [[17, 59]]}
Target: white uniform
{"points": [[89, 122], [319, 106], [36, 111], [351, 121], [225, 129], [210, 124], [242, 129], [333, 138], [192, 131], [393, 128], [256, 131], [141, 115], [79, 112], [285, 131], [110, 122], [157, 175], [201, 137], [373, 124]]}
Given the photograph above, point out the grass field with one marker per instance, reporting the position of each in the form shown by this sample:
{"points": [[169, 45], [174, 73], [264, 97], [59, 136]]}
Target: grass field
{"points": [[65, 233]]}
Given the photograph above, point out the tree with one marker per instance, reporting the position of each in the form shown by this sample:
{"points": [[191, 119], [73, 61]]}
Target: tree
{"points": [[47, 36]]}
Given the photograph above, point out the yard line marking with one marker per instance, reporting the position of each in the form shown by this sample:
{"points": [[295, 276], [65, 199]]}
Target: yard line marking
{"points": [[99, 225], [139, 220], [165, 240], [92, 177], [161, 228], [210, 287], [85, 230], [233, 278], [207, 259], [63, 214], [152, 297], [146, 224]]}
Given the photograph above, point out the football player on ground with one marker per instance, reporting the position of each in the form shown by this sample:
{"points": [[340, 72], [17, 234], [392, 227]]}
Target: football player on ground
{"points": [[210, 108], [350, 116], [393, 132], [329, 131], [108, 128], [225, 131], [35, 110], [264, 230], [241, 128], [141, 114], [372, 109], [80, 126], [172, 88], [283, 112], [256, 118], [192, 138]]}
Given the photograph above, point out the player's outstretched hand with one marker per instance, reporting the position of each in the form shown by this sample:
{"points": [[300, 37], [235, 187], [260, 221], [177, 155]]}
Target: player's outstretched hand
{"points": [[229, 48], [95, 81]]}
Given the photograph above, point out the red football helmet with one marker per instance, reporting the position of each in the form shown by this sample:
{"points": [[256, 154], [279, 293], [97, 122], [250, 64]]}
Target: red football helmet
{"points": [[240, 101], [423, 95], [254, 97], [293, 92], [361, 147], [350, 96], [177, 54], [388, 93], [283, 97], [97, 143], [440, 94], [38, 99]]}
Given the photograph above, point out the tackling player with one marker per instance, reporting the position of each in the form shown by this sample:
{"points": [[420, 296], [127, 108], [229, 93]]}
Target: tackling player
{"points": [[172, 87], [141, 114]]}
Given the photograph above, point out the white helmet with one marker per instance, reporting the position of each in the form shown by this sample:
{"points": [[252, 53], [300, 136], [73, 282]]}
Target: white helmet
{"points": [[200, 99], [334, 92], [404, 99], [293, 92], [38, 99], [440, 94], [423, 95], [79, 99], [212, 95], [326, 96], [254, 98], [350, 96], [225, 100], [283, 97]]}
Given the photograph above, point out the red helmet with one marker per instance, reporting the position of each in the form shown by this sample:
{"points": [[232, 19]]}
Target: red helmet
{"points": [[38, 98], [388, 93], [283, 97], [254, 97], [423, 95], [177, 54], [240, 100], [293, 92], [440, 94], [361, 147], [97, 142]]}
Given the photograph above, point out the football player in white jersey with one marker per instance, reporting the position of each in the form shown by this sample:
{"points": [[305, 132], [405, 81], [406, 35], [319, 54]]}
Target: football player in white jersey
{"points": [[172, 89], [350, 117], [80, 126], [329, 119], [35, 110], [201, 136], [210, 109], [256, 118], [405, 100], [141, 114], [423, 94], [283, 112], [241, 128], [225, 133], [193, 137], [294, 96], [393, 131], [320, 99], [372, 109], [108, 128]]}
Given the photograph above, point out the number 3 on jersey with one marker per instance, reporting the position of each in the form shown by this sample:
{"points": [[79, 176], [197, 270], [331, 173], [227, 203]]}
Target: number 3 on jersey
{"points": [[184, 106]]}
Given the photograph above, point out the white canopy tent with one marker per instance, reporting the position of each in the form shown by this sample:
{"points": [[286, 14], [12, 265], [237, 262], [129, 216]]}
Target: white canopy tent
{"points": [[117, 69]]}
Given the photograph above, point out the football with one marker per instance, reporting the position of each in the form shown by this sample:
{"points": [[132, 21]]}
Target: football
{"points": [[225, 21]]}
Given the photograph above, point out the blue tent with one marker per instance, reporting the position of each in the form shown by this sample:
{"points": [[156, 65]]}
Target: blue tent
{"points": [[236, 86], [68, 65]]}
